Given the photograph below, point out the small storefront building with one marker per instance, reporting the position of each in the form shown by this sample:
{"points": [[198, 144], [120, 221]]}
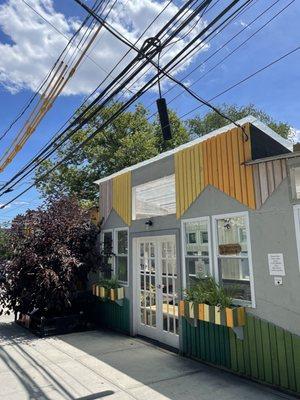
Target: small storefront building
{"points": [[226, 205]]}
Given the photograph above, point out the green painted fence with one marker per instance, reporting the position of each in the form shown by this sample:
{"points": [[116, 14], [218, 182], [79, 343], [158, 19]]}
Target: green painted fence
{"points": [[207, 342], [110, 315], [267, 354]]}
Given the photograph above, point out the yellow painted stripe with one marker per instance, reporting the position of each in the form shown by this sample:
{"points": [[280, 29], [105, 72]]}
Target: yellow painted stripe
{"points": [[218, 161], [122, 196]]}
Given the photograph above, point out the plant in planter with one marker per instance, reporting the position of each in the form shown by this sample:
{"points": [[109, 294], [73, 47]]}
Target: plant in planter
{"points": [[208, 301], [53, 250], [108, 289]]}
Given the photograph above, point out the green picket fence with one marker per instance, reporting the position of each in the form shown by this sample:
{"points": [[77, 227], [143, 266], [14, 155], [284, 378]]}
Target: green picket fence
{"points": [[267, 353], [110, 315]]}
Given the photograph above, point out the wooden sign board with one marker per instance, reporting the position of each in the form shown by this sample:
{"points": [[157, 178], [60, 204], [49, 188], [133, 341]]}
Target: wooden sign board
{"points": [[231, 248]]}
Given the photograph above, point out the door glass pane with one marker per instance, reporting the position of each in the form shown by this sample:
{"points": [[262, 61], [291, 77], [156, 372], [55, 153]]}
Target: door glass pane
{"points": [[169, 288], [148, 283]]}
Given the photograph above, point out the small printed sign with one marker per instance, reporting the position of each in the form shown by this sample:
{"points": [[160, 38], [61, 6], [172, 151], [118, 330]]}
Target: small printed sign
{"points": [[276, 264]]}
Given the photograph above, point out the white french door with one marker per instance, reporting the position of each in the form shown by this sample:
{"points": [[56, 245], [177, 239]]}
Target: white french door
{"points": [[157, 289]]}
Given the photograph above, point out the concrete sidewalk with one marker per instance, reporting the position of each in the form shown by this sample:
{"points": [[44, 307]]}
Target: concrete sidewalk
{"points": [[105, 365]]}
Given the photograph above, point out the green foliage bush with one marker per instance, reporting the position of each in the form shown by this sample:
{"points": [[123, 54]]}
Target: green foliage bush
{"points": [[111, 283], [206, 290]]}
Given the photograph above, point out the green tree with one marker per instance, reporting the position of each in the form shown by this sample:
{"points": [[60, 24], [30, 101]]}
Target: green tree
{"points": [[129, 139], [200, 126], [5, 251]]}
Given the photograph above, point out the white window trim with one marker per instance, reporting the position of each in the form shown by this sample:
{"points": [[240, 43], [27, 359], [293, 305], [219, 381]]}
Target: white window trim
{"points": [[296, 209], [215, 242], [115, 248], [183, 252]]}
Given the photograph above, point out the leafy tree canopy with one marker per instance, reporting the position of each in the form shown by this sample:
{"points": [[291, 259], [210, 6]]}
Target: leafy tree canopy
{"points": [[4, 245], [200, 126], [131, 138]]}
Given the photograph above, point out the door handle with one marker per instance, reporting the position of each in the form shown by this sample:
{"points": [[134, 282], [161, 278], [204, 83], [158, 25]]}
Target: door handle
{"points": [[158, 286]]}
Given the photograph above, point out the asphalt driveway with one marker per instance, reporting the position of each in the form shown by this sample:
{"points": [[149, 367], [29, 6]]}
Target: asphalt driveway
{"points": [[105, 365]]}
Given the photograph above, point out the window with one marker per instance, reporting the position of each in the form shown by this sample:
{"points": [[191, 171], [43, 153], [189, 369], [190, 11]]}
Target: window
{"points": [[121, 251], [297, 228], [154, 198], [115, 252], [196, 248], [107, 252], [232, 255], [295, 182]]}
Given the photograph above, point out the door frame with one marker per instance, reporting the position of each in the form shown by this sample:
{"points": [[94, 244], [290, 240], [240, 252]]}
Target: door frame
{"points": [[296, 212], [135, 275]]}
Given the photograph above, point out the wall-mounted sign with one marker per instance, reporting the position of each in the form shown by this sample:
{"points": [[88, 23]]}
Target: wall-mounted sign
{"points": [[276, 264], [231, 248]]}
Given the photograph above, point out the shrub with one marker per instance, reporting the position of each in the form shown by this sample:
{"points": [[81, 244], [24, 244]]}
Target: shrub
{"points": [[53, 252], [206, 290]]}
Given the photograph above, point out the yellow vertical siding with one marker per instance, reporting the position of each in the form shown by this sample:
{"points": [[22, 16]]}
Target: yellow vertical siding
{"points": [[122, 196], [218, 161]]}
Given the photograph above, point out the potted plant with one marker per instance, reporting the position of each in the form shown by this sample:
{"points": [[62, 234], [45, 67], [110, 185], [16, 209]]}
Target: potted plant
{"points": [[208, 301], [108, 289]]}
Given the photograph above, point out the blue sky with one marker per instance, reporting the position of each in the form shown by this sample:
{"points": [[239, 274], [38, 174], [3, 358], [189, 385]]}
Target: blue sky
{"points": [[24, 60]]}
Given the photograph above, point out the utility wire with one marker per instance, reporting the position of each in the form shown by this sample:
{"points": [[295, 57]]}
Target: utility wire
{"points": [[47, 99], [92, 135], [48, 145], [203, 30], [215, 33], [126, 105], [168, 24], [43, 82], [247, 78], [227, 55]]}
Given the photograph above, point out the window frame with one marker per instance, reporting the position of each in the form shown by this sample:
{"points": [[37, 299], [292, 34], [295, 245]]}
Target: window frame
{"points": [[114, 232], [292, 180], [215, 218], [296, 211], [183, 245], [115, 248], [133, 194]]}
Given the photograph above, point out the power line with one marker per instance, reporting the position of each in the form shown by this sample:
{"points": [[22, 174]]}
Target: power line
{"points": [[232, 51], [92, 135], [85, 101], [247, 78], [217, 31], [128, 103], [43, 82], [55, 86], [121, 75]]}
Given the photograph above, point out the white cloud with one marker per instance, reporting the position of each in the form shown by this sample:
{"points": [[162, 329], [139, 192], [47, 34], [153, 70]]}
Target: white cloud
{"points": [[295, 135], [34, 45]]}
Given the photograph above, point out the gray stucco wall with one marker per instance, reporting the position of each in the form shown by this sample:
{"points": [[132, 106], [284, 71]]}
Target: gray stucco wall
{"points": [[272, 230]]}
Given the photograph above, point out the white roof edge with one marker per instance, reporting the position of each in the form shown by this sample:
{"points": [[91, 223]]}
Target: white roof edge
{"points": [[249, 119]]}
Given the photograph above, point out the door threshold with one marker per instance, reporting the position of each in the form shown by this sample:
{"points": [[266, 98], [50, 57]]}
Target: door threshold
{"points": [[161, 345]]}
